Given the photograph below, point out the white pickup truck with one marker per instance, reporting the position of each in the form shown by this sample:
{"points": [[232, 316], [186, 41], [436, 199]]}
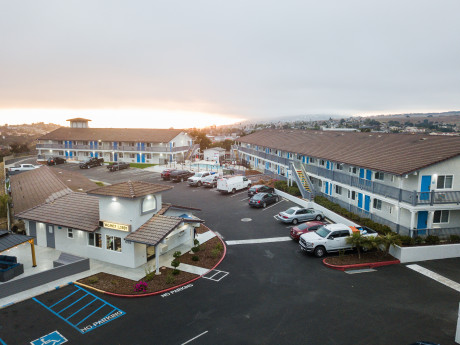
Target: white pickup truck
{"points": [[198, 178], [331, 238], [24, 167], [232, 184]]}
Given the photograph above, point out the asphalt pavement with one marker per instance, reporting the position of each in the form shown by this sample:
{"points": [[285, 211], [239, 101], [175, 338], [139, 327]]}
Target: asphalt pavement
{"points": [[272, 293]]}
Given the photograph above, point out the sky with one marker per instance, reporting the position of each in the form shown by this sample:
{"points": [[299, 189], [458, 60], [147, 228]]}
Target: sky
{"points": [[161, 64]]}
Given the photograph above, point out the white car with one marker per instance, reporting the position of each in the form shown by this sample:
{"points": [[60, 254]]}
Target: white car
{"points": [[233, 184], [198, 178], [210, 181], [296, 215]]}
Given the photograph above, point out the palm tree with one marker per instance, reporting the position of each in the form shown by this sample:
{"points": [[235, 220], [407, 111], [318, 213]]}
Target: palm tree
{"points": [[388, 240], [359, 241]]}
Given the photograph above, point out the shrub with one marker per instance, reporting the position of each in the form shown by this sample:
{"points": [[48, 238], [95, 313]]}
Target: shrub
{"points": [[93, 280], [418, 240], [195, 249], [140, 287], [454, 239], [432, 239], [406, 240], [196, 242], [170, 279], [195, 258], [219, 247], [281, 185], [215, 253], [149, 276]]}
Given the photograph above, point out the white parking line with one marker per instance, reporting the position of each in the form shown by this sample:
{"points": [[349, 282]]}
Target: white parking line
{"points": [[439, 278], [199, 335], [276, 203], [260, 240], [237, 194]]}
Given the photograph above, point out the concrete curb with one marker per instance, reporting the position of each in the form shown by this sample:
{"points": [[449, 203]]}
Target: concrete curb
{"points": [[367, 265], [161, 291]]}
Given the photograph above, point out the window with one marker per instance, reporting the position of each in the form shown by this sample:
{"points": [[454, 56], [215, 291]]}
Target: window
{"points": [[444, 181], [312, 160], [113, 243], [379, 176], [441, 216], [352, 195], [353, 170], [70, 233], [377, 204], [320, 183], [95, 240], [132, 155], [322, 162], [120, 155], [149, 204], [339, 166], [338, 190]]}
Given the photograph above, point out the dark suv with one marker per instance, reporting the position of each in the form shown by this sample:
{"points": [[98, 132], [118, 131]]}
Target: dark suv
{"points": [[180, 175], [260, 188], [166, 173], [55, 160], [92, 162]]}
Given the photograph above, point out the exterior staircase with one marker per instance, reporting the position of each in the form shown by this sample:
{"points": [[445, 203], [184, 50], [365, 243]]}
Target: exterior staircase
{"points": [[191, 152], [303, 180]]}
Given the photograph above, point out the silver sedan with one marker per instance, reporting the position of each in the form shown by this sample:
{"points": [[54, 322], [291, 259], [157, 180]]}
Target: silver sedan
{"points": [[296, 215]]}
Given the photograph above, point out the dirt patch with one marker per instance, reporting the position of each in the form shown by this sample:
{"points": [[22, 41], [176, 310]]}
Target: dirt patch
{"points": [[206, 257], [353, 259], [111, 283]]}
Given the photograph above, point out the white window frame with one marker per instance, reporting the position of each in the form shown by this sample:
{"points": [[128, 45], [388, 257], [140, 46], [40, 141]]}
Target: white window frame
{"points": [[377, 204], [441, 212], [338, 189], [445, 177], [70, 233], [94, 245], [107, 238], [380, 176]]}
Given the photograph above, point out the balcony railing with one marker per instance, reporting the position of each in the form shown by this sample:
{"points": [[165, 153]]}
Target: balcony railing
{"points": [[411, 197], [118, 148]]}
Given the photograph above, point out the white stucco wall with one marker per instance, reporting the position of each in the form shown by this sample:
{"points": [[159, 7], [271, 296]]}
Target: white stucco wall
{"points": [[423, 253], [183, 139], [448, 167]]}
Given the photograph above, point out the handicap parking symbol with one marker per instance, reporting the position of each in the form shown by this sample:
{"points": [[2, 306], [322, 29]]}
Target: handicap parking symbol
{"points": [[53, 338]]}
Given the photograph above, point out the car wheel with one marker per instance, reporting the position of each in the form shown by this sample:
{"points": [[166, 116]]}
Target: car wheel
{"points": [[295, 221], [199, 183], [233, 191], [249, 185], [320, 251], [264, 205], [318, 217]]}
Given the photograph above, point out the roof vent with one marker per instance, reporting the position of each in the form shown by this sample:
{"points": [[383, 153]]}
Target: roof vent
{"points": [[421, 139]]}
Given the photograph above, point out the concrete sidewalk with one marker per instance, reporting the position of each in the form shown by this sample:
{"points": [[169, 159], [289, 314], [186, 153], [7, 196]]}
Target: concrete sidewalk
{"points": [[45, 257]]}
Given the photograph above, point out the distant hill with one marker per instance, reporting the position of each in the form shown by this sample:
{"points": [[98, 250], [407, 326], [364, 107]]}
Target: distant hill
{"points": [[451, 117]]}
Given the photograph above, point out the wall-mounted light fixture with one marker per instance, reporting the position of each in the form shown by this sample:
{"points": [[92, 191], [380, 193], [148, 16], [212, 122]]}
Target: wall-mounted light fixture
{"points": [[114, 199]]}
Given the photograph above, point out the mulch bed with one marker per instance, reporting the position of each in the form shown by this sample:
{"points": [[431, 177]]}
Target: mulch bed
{"points": [[206, 259], [353, 259], [111, 283]]}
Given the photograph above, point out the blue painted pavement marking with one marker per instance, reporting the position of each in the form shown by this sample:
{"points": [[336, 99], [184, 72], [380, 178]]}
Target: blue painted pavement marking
{"points": [[2, 342], [93, 320], [53, 338]]}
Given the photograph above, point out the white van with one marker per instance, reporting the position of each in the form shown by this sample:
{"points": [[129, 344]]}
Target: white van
{"points": [[232, 184]]}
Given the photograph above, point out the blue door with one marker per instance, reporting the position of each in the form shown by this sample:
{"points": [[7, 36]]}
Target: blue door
{"points": [[368, 175], [91, 146], [422, 220], [326, 190], [115, 157], [138, 158], [142, 146], [327, 165], [361, 173], [97, 154], [303, 159], [425, 187], [115, 145], [360, 200], [67, 154], [367, 203], [143, 158], [308, 160]]}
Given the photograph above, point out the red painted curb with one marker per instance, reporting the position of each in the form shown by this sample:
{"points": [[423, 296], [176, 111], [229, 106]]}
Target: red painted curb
{"points": [[168, 289], [369, 264]]}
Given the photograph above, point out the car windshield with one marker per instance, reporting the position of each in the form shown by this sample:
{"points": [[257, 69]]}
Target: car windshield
{"points": [[290, 211], [303, 226], [258, 196], [199, 174], [323, 232]]}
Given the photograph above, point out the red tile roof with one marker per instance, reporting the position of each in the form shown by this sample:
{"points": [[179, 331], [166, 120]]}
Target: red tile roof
{"points": [[113, 134], [130, 189], [398, 154]]}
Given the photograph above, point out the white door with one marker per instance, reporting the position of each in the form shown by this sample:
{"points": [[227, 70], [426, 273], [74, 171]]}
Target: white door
{"points": [[41, 235]]}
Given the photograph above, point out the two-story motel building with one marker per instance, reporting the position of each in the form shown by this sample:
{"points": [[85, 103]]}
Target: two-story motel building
{"points": [[132, 145], [406, 181]]}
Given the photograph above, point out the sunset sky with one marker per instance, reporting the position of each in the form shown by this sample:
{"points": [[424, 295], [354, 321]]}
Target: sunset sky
{"points": [[195, 63]]}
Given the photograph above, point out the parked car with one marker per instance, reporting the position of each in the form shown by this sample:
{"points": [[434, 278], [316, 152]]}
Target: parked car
{"points": [[232, 184], [55, 160], [180, 175], [331, 238], [118, 166], [92, 162], [296, 214], [263, 199], [198, 178], [24, 167], [260, 188], [210, 181], [298, 230], [166, 173]]}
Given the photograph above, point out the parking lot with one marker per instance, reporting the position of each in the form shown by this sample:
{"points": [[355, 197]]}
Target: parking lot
{"points": [[265, 293]]}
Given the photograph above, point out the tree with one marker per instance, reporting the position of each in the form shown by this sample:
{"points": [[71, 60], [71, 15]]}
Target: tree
{"points": [[201, 139], [388, 240], [359, 241]]}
